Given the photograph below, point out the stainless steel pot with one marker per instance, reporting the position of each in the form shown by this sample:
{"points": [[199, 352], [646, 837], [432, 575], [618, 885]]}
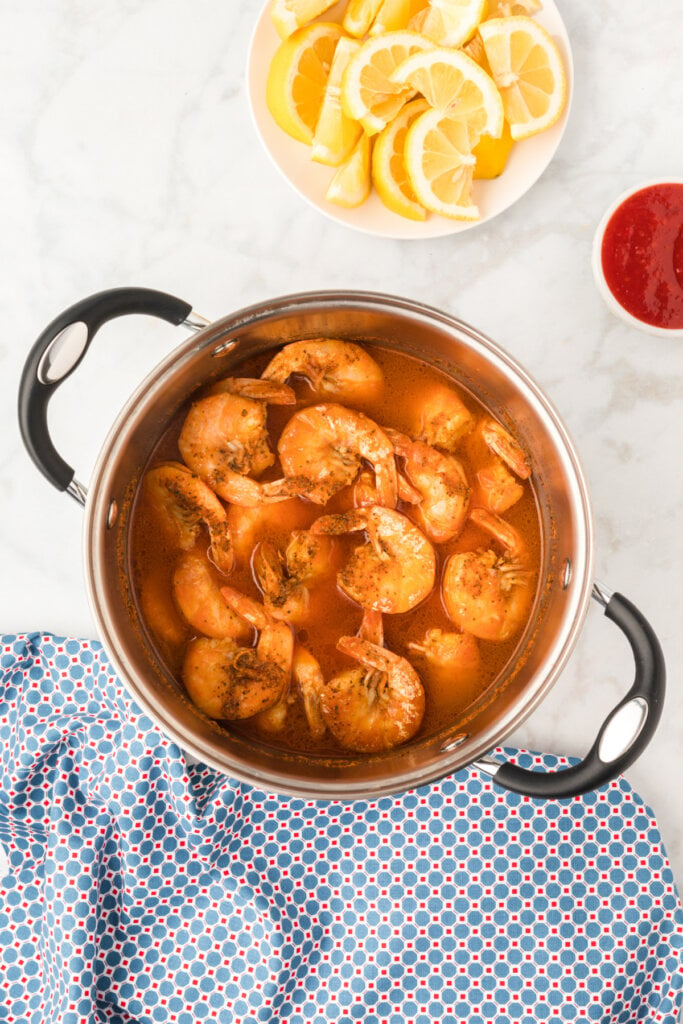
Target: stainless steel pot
{"points": [[479, 366]]}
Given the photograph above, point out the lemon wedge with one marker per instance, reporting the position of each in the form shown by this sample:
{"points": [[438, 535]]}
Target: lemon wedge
{"points": [[289, 15], [335, 134], [368, 93], [389, 174], [449, 22], [351, 184], [297, 78], [454, 85], [440, 164], [359, 16], [396, 14], [527, 67]]}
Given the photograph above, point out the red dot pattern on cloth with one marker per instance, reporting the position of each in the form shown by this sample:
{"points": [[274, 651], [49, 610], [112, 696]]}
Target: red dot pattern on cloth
{"points": [[144, 889]]}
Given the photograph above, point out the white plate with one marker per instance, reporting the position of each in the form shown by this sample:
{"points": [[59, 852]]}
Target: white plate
{"points": [[527, 161]]}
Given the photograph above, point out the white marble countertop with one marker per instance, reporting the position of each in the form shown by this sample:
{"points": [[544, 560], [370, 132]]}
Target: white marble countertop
{"points": [[128, 156]]}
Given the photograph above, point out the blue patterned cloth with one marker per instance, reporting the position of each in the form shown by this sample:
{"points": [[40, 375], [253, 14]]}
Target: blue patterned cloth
{"points": [[144, 889]]}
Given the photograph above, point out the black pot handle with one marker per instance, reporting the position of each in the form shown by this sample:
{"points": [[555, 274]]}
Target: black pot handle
{"points": [[57, 353], [627, 729]]}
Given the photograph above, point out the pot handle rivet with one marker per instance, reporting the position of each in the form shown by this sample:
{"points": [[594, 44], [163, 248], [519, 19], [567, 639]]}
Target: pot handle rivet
{"points": [[112, 513], [454, 743], [226, 346]]}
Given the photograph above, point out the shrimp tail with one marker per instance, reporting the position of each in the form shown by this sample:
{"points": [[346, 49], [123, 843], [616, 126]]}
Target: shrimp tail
{"points": [[372, 627], [310, 680], [249, 610], [268, 391], [368, 653], [343, 522], [407, 492], [503, 444]]}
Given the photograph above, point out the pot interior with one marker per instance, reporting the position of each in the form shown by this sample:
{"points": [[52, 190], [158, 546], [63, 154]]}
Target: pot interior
{"points": [[477, 366]]}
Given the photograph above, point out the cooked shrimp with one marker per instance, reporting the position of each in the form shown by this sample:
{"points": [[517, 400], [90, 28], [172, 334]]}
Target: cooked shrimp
{"points": [[485, 593], [452, 658], [198, 596], [226, 680], [334, 369], [503, 444], [376, 706], [444, 419], [395, 570], [183, 502], [496, 489], [275, 647], [224, 438], [286, 578], [442, 485], [321, 449], [309, 678]]}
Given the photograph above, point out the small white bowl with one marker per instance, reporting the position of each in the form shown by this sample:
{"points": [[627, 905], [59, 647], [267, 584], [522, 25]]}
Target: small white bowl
{"points": [[610, 301]]}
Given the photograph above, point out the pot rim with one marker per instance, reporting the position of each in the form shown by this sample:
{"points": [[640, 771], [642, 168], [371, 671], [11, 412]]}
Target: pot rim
{"points": [[578, 584]]}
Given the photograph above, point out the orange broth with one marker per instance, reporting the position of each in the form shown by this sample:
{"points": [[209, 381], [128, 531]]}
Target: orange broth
{"points": [[333, 614]]}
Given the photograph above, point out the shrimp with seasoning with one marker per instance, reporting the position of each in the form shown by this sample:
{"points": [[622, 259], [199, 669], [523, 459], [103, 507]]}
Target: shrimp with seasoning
{"points": [[275, 647], [224, 438], [321, 449], [395, 570], [379, 704], [226, 680], [334, 369], [286, 579], [183, 502], [198, 596], [444, 419], [441, 483], [486, 593], [496, 488]]}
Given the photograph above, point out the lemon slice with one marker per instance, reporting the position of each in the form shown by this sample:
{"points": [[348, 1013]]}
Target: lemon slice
{"points": [[389, 174], [455, 85], [449, 22], [351, 184], [359, 16], [527, 68], [439, 161], [297, 78], [368, 94], [289, 15], [396, 14], [335, 134]]}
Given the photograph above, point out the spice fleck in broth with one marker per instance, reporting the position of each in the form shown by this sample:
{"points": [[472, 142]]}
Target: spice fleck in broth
{"points": [[263, 578]]}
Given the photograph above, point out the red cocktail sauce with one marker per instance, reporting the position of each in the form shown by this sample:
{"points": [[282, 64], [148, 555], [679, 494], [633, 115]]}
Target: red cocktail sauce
{"points": [[642, 255]]}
